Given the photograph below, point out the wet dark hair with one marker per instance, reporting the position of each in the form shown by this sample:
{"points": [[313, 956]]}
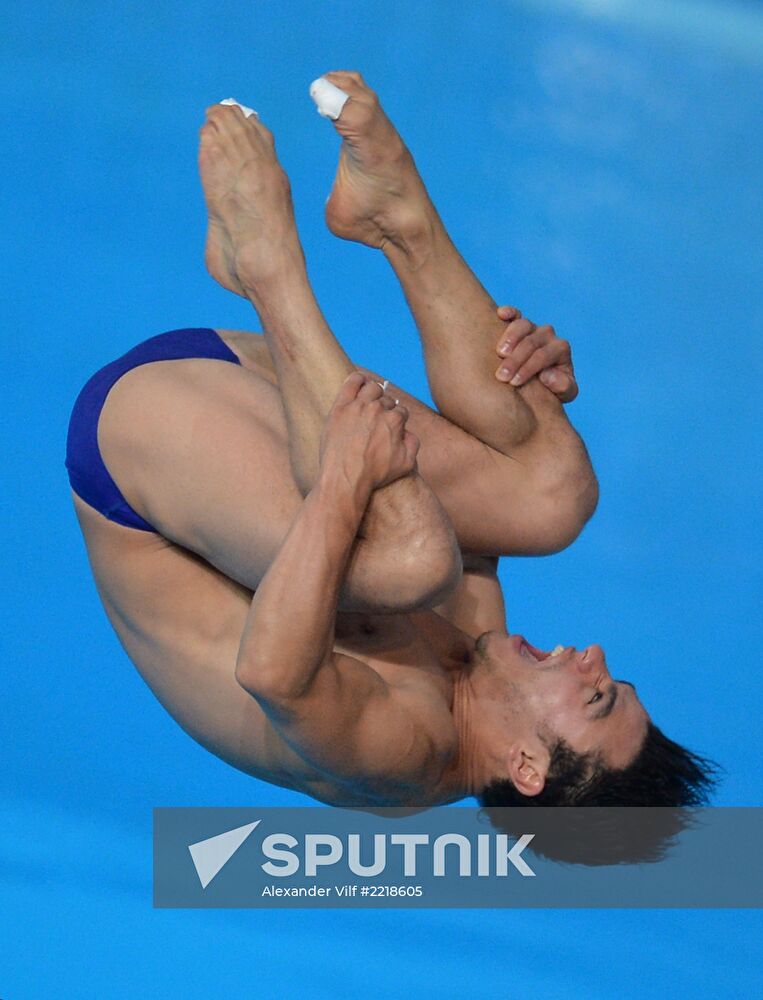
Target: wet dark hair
{"points": [[662, 774]]}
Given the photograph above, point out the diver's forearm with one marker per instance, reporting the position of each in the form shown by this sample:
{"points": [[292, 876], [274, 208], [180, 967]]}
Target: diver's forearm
{"points": [[289, 631]]}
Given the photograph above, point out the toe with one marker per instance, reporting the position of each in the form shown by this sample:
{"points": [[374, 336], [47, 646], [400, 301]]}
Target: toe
{"points": [[351, 82], [221, 118]]}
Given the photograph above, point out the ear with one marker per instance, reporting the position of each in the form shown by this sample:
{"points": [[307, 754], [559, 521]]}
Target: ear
{"points": [[528, 768]]}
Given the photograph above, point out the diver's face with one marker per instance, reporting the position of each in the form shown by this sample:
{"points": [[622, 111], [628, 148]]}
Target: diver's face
{"points": [[569, 694]]}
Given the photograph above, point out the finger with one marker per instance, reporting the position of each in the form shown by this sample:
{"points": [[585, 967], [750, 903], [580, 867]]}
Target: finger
{"points": [[387, 402], [571, 392], [514, 334], [522, 352], [398, 417], [411, 444], [350, 388], [544, 357], [370, 391], [519, 354], [561, 383], [508, 313]]}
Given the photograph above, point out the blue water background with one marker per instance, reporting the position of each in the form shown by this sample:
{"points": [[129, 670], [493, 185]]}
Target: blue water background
{"points": [[598, 164]]}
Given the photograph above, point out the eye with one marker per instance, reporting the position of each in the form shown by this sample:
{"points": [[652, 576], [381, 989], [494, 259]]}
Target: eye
{"points": [[597, 697]]}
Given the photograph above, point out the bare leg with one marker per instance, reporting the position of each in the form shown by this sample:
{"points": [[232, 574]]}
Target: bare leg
{"points": [[379, 199], [248, 192]]}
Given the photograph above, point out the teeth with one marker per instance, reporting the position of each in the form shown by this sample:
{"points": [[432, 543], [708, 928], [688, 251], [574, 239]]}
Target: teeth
{"points": [[556, 650]]}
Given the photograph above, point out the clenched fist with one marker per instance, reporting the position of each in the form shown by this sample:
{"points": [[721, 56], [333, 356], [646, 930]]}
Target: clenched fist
{"points": [[365, 438]]}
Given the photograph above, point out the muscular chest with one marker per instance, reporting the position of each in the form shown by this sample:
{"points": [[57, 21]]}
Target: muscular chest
{"points": [[420, 645]]}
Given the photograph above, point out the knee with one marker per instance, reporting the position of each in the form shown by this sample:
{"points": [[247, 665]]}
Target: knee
{"points": [[421, 575], [432, 572], [564, 511]]}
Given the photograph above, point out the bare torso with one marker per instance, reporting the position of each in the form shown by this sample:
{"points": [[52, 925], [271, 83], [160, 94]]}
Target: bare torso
{"points": [[180, 620]]}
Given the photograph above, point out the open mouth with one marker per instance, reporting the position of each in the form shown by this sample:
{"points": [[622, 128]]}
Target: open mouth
{"points": [[534, 654]]}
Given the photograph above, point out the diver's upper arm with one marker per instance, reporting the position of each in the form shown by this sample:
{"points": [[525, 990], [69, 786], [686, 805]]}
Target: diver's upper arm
{"points": [[354, 727]]}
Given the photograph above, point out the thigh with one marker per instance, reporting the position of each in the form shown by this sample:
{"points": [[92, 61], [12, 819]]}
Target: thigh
{"points": [[199, 449], [491, 499], [498, 505]]}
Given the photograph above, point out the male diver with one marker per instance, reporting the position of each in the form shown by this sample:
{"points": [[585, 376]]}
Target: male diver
{"points": [[301, 560]]}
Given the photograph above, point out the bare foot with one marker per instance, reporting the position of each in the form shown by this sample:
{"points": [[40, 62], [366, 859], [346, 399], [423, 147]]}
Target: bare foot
{"points": [[250, 216], [218, 256], [377, 195]]}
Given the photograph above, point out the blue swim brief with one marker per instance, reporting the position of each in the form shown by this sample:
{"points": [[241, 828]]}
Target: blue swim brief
{"points": [[88, 475]]}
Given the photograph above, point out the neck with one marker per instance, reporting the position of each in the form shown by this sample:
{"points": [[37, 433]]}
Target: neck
{"points": [[467, 773]]}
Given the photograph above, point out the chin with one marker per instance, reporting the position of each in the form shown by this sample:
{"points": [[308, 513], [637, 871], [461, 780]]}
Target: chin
{"points": [[481, 643]]}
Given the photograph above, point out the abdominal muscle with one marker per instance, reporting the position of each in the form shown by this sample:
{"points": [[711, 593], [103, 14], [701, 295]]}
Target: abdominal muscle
{"points": [[180, 622]]}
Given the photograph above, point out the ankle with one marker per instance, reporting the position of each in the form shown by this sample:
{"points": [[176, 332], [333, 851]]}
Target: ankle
{"points": [[414, 235], [272, 272]]}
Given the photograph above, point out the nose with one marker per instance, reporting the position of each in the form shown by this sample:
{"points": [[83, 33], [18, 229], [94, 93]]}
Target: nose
{"points": [[591, 659]]}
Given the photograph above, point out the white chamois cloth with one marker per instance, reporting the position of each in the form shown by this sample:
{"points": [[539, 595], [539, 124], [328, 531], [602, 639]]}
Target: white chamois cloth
{"points": [[248, 112], [329, 99]]}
